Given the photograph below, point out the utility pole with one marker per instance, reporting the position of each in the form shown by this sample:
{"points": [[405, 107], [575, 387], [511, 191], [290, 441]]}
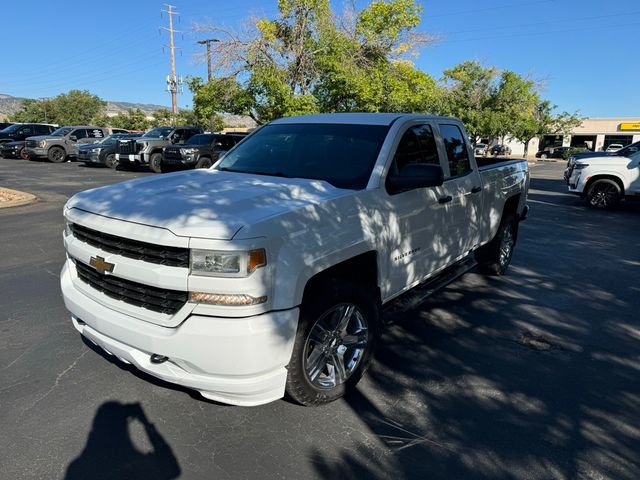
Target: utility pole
{"points": [[172, 79], [208, 43]]}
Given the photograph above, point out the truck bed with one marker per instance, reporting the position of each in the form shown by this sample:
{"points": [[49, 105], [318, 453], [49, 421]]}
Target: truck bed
{"points": [[485, 163]]}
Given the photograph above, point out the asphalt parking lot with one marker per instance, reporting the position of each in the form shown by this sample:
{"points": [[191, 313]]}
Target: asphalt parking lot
{"points": [[533, 375]]}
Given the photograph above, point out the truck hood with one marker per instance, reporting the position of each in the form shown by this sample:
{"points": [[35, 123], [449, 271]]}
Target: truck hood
{"points": [[203, 203], [37, 138], [604, 160]]}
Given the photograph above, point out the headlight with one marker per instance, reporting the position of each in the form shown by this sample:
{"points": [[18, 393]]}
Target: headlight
{"points": [[187, 151], [227, 264], [67, 228], [42, 143], [580, 166]]}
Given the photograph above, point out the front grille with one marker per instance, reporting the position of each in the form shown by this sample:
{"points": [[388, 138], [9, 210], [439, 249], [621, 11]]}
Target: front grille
{"points": [[31, 143], [133, 293], [128, 147], [172, 154], [147, 252]]}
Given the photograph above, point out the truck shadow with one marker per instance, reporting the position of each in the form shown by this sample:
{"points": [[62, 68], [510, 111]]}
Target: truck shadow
{"points": [[111, 453], [532, 375]]}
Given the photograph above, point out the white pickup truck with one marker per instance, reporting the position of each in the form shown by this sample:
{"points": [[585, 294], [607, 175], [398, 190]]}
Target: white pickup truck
{"points": [[267, 273], [606, 180]]}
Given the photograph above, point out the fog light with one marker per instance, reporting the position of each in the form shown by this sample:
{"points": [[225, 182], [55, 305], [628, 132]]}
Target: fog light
{"points": [[227, 299]]}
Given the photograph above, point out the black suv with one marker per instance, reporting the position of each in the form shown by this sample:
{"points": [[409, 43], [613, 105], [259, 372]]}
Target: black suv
{"points": [[103, 152], [200, 151], [13, 137]]}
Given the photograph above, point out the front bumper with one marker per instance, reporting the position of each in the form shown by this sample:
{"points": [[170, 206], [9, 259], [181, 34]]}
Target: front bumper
{"points": [[88, 157], [37, 152], [239, 361], [137, 158]]}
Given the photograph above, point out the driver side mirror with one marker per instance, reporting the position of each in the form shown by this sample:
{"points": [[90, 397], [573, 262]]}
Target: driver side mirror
{"points": [[418, 175]]}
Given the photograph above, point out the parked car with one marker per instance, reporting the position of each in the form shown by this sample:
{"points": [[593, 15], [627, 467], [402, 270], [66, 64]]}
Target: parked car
{"points": [[147, 150], [606, 180], [13, 150], [268, 272], [63, 142], [553, 152], [481, 149], [21, 131], [103, 152], [200, 151], [502, 150], [614, 147]]}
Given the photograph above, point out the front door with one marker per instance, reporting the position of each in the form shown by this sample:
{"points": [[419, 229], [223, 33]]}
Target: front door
{"points": [[415, 221]]}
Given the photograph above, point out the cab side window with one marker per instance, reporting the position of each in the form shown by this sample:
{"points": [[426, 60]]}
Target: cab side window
{"points": [[417, 145], [95, 133], [26, 131], [79, 133], [456, 147]]}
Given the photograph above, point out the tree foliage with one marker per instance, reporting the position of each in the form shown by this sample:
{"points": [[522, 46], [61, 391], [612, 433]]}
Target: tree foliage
{"points": [[77, 107], [308, 60]]}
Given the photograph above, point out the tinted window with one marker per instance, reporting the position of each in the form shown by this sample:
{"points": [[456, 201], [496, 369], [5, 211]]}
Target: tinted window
{"points": [[456, 148], [27, 131], [417, 145], [62, 131], [95, 133], [42, 129], [79, 133], [159, 132], [342, 155], [201, 139]]}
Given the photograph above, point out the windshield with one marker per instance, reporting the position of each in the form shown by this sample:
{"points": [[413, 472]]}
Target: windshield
{"points": [[160, 132], [201, 139], [342, 155], [110, 140], [11, 128], [61, 132]]}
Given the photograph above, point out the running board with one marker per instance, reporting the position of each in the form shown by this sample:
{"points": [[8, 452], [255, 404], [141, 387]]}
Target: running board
{"points": [[417, 295]]}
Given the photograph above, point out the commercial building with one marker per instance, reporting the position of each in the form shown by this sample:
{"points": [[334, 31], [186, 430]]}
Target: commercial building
{"points": [[595, 134]]}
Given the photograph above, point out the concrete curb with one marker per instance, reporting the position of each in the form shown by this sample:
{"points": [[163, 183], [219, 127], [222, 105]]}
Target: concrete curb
{"points": [[24, 199]]}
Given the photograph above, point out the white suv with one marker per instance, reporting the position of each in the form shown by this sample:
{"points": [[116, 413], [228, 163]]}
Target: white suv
{"points": [[605, 181]]}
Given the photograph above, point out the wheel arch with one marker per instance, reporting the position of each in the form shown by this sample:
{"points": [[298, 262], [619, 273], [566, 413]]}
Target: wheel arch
{"points": [[361, 269], [606, 176]]}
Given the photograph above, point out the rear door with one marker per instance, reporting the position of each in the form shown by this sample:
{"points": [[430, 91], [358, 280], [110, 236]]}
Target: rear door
{"points": [[462, 192]]}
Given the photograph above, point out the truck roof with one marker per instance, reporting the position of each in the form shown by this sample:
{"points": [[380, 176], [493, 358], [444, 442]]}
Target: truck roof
{"points": [[354, 118]]}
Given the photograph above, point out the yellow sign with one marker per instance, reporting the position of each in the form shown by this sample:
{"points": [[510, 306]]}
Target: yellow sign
{"points": [[630, 126]]}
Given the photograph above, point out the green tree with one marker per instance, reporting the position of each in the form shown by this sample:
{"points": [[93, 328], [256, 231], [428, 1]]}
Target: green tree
{"points": [[307, 61], [161, 118], [132, 119], [77, 107], [470, 91]]}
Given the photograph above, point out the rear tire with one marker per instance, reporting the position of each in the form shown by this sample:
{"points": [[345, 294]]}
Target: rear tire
{"points": [[330, 356], [155, 163], [56, 155], [23, 154], [494, 258], [604, 194]]}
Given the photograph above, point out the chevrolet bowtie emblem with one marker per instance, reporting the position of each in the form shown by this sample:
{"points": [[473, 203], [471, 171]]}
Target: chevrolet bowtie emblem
{"points": [[101, 265]]}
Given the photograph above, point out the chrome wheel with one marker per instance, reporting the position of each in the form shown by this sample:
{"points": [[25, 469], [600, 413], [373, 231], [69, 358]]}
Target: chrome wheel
{"points": [[506, 247], [335, 345]]}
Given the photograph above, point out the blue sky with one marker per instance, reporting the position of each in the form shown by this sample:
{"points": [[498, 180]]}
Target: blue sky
{"points": [[585, 52]]}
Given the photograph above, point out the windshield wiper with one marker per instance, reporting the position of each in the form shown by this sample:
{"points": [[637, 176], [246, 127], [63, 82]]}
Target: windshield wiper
{"points": [[250, 172]]}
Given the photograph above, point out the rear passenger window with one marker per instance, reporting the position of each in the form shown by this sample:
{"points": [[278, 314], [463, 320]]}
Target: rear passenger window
{"points": [[27, 131], [456, 147], [80, 133], [417, 145], [95, 133]]}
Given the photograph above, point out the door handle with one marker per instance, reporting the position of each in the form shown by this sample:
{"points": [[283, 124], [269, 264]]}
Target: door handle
{"points": [[476, 189], [446, 199]]}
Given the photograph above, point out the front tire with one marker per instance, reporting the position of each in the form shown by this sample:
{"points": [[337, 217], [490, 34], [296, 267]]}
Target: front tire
{"points": [[56, 155], [544, 156], [494, 258], [110, 161], [23, 154], [604, 194], [155, 163], [204, 163], [337, 334]]}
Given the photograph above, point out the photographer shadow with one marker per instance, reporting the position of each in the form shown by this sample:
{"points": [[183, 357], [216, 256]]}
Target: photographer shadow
{"points": [[110, 452]]}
